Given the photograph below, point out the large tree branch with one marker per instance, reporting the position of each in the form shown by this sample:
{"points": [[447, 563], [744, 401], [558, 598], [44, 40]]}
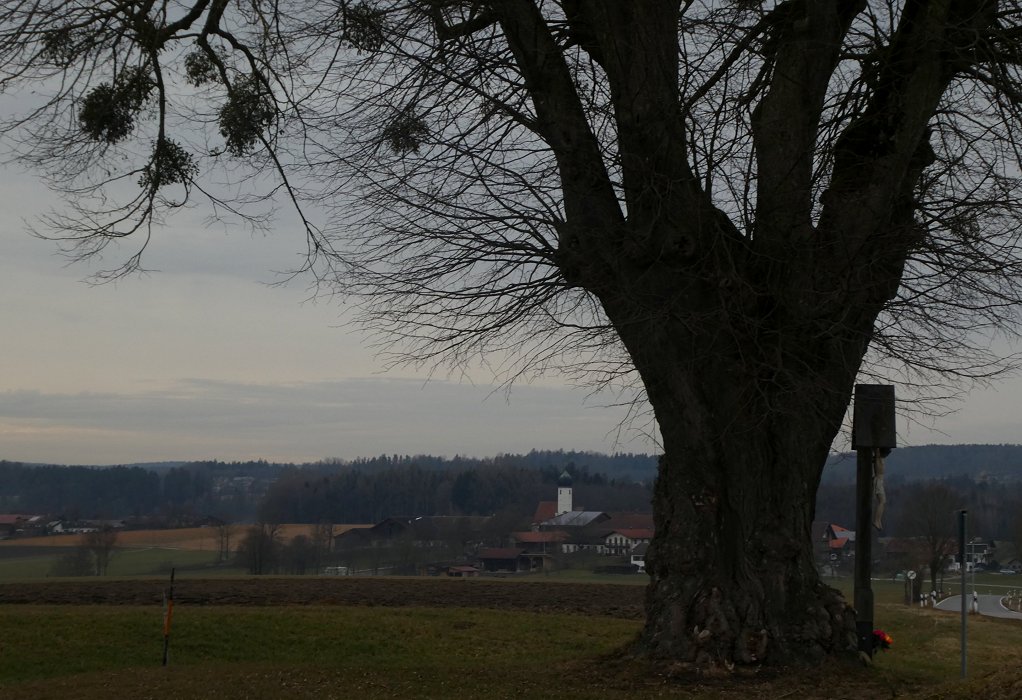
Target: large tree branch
{"points": [[806, 42], [670, 216], [867, 223], [591, 210]]}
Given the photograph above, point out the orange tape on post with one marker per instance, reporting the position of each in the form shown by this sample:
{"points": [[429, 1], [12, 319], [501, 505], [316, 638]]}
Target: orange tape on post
{"points": [[168, 617]]}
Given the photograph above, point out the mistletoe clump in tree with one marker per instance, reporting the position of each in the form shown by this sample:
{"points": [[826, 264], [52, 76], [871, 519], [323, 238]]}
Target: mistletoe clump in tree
{"points": [[735, 202]]}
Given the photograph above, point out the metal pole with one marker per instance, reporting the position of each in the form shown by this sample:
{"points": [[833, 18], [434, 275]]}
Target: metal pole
{"points": [[972, 556], [168, 617], [863, 549], [961, 558]]}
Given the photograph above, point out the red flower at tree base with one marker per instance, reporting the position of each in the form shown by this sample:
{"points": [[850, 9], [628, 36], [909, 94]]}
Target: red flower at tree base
{"points": [[881, 640]]}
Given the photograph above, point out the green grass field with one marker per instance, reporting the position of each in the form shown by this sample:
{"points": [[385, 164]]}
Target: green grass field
{"points": [[74, 651], [60, 641], [227, 652], [148, 561]]}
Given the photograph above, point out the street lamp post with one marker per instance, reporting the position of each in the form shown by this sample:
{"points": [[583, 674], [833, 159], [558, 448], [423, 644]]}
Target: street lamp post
{"points": [[961, 557]]}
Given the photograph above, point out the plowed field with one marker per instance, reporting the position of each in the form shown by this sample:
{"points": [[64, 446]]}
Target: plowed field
{"points": [[582, 598]]}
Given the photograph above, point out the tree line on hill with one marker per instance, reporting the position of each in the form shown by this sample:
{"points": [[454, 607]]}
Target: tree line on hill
{"points": [[995, 506], [72, 492], [364, 490], [924, 462], [355, 495], [989, 478]]}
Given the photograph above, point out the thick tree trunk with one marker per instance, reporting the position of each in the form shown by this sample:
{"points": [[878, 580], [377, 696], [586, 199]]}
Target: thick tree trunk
{"points": [[747, 424], [733, 580]]}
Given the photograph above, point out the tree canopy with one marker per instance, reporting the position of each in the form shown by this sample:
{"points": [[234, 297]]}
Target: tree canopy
{"points": [[466, 154]]}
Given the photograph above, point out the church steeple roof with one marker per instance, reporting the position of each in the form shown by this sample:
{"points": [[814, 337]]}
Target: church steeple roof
{"points": [[564, 479]]}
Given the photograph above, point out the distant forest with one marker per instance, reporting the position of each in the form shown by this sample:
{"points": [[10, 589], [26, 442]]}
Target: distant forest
{"points": [[362, 491], [978, 462], [988, 479], [995, 507]]}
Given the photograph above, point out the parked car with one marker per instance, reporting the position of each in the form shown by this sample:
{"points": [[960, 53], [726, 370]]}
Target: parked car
{"points": [[1007, 571]]}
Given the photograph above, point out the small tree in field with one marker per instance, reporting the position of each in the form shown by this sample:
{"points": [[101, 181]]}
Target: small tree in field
{"points": [[225, 531], [733, 202], [260, 549], [322, 544], [928, 513], [299, 555], [76, 562], [101, 544]]}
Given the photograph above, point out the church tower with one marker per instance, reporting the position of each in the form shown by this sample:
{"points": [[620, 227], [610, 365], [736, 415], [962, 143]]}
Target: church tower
{"points": [[564, 493]]}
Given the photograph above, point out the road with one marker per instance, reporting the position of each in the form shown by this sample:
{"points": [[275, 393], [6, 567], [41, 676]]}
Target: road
{"points": [[989, 605]]}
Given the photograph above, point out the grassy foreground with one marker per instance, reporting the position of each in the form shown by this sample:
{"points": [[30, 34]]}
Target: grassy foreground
{"points": [[67, 652]]}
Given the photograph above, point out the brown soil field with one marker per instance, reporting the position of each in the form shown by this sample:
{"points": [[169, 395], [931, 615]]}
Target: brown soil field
{"points": [[536, 596], [201, 538]]}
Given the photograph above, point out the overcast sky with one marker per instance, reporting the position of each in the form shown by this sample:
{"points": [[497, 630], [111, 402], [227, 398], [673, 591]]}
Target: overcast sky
{"points": [[204, 360]]}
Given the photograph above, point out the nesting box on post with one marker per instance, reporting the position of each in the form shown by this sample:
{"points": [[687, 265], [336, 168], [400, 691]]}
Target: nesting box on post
{"points": [[873, 423]]}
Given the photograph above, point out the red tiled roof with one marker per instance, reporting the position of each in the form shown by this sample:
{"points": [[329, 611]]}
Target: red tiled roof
{"points": [[537, 537], [635, 533], [499, 553], [544, 511], [838, 543], [631, 521]]}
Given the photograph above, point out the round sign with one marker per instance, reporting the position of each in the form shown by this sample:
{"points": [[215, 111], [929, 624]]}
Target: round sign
{"points": [[911, 575]]}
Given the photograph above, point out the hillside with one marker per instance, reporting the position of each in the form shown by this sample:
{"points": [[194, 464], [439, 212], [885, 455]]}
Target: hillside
{"points": [[978, 462]]}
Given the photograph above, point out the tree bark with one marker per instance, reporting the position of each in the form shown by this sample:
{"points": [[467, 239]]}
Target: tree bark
{"points": [[746, 433], [732, 573]]}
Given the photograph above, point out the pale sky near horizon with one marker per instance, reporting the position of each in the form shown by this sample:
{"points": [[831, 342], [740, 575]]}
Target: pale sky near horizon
{"points": [[204, 360]]}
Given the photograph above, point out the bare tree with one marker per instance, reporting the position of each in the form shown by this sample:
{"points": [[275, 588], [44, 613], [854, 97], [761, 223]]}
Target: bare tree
{"points": [[300, 555], [734, 203], [322, 543], [225, 531], [260, 549], [76, 562], [101, 543], [928, 513]]}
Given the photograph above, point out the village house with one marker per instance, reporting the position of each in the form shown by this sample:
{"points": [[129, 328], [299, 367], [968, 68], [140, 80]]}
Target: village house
{"points": [[591, 530], [424, 532], [505, 560], [463, 571], [638, 557], [454, 542], [840, 542], [980, 553], [9, 524], [21, 525], [539, 542], [625, 540]]}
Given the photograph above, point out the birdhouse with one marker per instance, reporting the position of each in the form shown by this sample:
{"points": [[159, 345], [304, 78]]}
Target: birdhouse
{"points": [[873, 424]]}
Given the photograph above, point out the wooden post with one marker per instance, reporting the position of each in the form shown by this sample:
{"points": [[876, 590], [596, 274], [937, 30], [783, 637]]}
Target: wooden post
{"points": [[873, 434], [168, 617], [864, 549]]}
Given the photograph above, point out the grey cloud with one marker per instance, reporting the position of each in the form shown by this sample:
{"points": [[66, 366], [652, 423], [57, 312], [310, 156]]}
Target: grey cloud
{"points": [[201, 418]]}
